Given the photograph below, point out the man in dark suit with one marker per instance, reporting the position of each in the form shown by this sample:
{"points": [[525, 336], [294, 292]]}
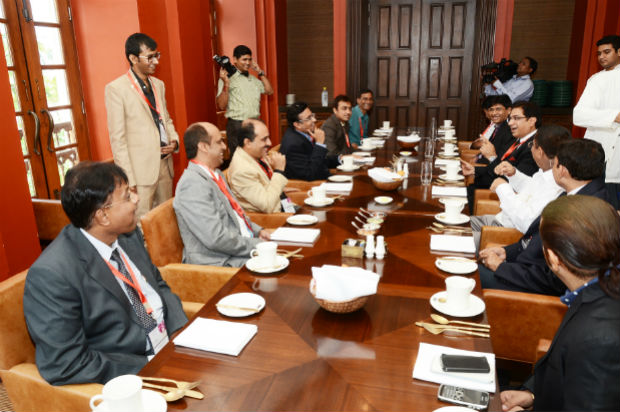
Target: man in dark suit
{"points": [[497, 137], [578, 168], [304, 146], [524, 119], [95, 305], [336, 128]]}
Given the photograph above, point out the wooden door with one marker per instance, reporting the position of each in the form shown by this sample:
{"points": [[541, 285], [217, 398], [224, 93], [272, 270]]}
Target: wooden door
{"points": [[41, 56], [420, 61]]}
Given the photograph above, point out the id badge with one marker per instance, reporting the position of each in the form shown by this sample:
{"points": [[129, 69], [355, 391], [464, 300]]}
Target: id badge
{"points": [[163, 136], [158, 337], [287, 205]]}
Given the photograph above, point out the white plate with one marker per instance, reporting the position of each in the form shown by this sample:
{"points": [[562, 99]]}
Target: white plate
{"points": [[456, 265], [151, 401], [325, 202], [367, 148], [383, 200], [459, 220], [242, 300], [361, 154], [454, 409], [340, 178], [453, 154], [407, 139], [476, 306], [254, 265], [404, 153], [445, 177], [302, 220], [341, 167]]}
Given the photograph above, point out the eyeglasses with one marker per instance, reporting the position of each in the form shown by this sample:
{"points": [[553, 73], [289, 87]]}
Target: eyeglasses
{"points": [[311, 118], [128, 198], [516, 118], [150, 57]]}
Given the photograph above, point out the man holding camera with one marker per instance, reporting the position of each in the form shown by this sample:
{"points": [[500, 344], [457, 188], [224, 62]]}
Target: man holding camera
{"points": [[239, 93], [520, 87]]}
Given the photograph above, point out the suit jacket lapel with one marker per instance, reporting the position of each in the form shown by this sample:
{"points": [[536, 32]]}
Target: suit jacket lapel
{"points": [[251, 163], [139, 96]]}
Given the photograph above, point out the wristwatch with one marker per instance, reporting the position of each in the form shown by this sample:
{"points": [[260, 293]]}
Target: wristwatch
{"points": [[261, 73]]}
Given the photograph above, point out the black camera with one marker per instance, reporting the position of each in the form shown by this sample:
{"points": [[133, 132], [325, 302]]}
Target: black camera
{"points": [[225, 63], [503, 71]]}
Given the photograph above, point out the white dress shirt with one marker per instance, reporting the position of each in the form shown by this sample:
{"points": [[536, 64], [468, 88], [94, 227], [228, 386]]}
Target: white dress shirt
{"points": [[597, 108], [523, 198], [518, 88]]}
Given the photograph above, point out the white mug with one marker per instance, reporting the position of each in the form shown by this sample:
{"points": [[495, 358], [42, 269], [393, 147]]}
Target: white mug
{"points": [[447, 123], [449, 134], [448, 148], [265, 253], [386, 124], [347, 162], [317, 193], [453, 207], [123, 393], [265, 284], [452, 170], [458, 290], [367, 143]]}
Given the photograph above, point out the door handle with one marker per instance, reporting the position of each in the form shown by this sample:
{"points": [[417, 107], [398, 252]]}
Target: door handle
{"points": [[50, 132], [37, 135]]}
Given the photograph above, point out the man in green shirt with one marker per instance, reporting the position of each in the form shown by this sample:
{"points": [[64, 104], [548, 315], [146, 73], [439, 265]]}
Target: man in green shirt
{"points": [[358, 123], [240, 93]]}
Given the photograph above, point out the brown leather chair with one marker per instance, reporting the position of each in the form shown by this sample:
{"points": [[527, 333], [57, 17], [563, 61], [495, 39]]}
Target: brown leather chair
{"points": [[162, 236], [465, 145], [522, 323], [26, 389], [50, 218], [498, 236], [486, 202], [269, 220]]}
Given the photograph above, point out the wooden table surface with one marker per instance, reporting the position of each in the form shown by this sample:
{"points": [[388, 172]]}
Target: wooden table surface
{"points": [[304, 358]]}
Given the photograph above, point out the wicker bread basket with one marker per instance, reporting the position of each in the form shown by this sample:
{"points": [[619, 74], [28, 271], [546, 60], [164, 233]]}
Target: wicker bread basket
{"points": [[347, 306], [387, 186]]}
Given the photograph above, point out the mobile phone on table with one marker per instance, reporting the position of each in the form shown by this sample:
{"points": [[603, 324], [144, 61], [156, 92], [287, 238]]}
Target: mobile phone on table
{"points": [[466, 397], [464, 364]]}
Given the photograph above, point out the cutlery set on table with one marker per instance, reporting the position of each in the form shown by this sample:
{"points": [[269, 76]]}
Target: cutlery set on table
{"points": [[174, 392], [442, 325]]}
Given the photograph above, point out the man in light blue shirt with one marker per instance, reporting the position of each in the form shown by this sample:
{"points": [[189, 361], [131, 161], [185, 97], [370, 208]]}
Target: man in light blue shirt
{"points": [[358, 123], [520, 87]]}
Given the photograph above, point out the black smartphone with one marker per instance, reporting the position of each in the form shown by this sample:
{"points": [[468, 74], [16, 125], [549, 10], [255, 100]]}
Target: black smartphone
{"points": [[464, 364], [466, 397]]}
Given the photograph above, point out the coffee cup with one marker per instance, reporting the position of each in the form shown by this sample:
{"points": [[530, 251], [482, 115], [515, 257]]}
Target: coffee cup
{"points": [[265, 284], [447, 123], [386, 124], [347, 162], [367, 143], [448, 148], [452, 170], [317, 194], [449, 134], [453, 207], [265, 254], [458, 290], [123, 393]]}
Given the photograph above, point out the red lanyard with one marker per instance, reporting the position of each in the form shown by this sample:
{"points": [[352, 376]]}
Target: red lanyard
{"points": [[137, 88], [514, 147], [220, 183], [133, 283], [346, 136], [267, 170], [361, 128]]}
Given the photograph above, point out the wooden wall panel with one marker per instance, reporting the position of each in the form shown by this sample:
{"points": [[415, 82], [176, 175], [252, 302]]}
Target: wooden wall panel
{"points": [[436, 27], [453, 113], [455, 71], [404, 26], [402, 116], [434, 77], [459, 20], [383, 77], [402, 81], [384, 27]]}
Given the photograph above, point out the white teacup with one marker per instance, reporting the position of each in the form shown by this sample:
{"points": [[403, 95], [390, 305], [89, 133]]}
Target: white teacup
{"points": [[265, 254], [317, 194], [449, 134], [265, 284], [123, 393], [367, 143], [347, 162], [386, 124], [447, 123], [449, 148], [453, 207], [458, 290], [452, 170]]}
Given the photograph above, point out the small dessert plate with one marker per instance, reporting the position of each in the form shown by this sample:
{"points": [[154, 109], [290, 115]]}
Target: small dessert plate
{"points": [[383, 200]]}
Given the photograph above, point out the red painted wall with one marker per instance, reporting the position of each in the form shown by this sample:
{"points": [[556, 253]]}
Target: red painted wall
{"points": [[340, 47]]}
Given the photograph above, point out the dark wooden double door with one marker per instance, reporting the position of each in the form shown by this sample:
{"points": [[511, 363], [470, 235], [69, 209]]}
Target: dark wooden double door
{"points": [[420, 61]]}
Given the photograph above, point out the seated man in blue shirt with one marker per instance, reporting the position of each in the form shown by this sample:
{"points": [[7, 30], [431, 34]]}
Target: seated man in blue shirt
{"points": [[358, 123], [520, 87]]}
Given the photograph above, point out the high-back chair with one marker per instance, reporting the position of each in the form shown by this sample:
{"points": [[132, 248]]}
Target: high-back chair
{"points": [[27, 390], [50, 218], [161, 234]]}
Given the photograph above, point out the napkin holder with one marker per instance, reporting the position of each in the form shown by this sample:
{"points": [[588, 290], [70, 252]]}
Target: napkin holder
{"points": [[353, 248]]}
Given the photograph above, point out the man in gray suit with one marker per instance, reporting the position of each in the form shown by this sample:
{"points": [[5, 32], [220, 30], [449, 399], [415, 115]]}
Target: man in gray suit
{"points": [[95, 305], [213, 225]]}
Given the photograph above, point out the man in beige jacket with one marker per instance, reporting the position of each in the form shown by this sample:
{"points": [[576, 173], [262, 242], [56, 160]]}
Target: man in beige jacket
{"points": [[141, 132], [255, 176]]}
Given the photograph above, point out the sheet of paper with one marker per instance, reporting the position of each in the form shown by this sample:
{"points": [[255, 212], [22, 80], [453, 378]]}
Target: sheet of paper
{"points": [[458, 191], [448, 243], [337, 187], [217, 336], [295, 235]]}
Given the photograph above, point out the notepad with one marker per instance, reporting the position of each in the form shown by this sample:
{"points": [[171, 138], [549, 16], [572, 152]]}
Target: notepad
{"points": [[448, 243], [337, 187], [457, 191], [295, 235], [217, 336]]}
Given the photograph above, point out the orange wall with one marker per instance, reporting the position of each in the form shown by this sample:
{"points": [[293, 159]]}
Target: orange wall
{"points": [[101, 28], [236, 25]]}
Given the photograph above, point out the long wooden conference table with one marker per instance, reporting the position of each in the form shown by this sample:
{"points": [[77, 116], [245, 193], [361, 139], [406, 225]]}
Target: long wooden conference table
{"points": [[304, 358]]}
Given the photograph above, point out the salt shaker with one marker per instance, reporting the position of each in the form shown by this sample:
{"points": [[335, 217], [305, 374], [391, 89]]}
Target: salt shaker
{"points": [[370, 246], [380, 248]]}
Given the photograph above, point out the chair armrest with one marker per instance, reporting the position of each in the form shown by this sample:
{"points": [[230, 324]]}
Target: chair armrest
{"points": [[196, 283], [485, 194], [269, 220], [469, 155], [464, 145], [498, 235], [191, 308], [519, 320], [486, 207]]}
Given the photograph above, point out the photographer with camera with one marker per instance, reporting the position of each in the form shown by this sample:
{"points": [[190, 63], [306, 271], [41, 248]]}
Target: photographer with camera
{"points": [[238, 92], [520, 87]]}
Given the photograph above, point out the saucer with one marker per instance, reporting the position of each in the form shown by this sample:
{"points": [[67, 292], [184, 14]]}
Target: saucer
{"points": [[325, 202], [459, 220], [302, 220], [341, 167], [409, 139], [253, 265], [456, 265], [405, 153], [476, 306], [454, 409], [445, 177], [253, 302], [361, 154], [383, 200], [444, 154], [367, 148], [340, 178], [151, 401]]}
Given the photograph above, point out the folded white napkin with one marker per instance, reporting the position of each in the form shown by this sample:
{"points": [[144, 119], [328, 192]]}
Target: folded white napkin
{"points": [[448, 243], [443, 162], [217, 336], [340, 284], [458, 191], [381, 174], [295, 235], [366, 160], [425, 368], [337, 187]]}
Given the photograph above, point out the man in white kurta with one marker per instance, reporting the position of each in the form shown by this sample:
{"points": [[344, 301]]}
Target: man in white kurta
{"points": [[598, 110]]}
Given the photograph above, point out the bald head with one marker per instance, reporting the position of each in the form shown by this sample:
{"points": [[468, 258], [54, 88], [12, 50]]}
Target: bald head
{"points": [[203, 142]]}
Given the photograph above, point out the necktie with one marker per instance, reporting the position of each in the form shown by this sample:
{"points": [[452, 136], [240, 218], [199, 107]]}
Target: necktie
{"points": [[148, 323]]}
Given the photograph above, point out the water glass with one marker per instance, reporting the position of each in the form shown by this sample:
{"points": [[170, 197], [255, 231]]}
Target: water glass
{"points": [[429, 148], [426, 173]]}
